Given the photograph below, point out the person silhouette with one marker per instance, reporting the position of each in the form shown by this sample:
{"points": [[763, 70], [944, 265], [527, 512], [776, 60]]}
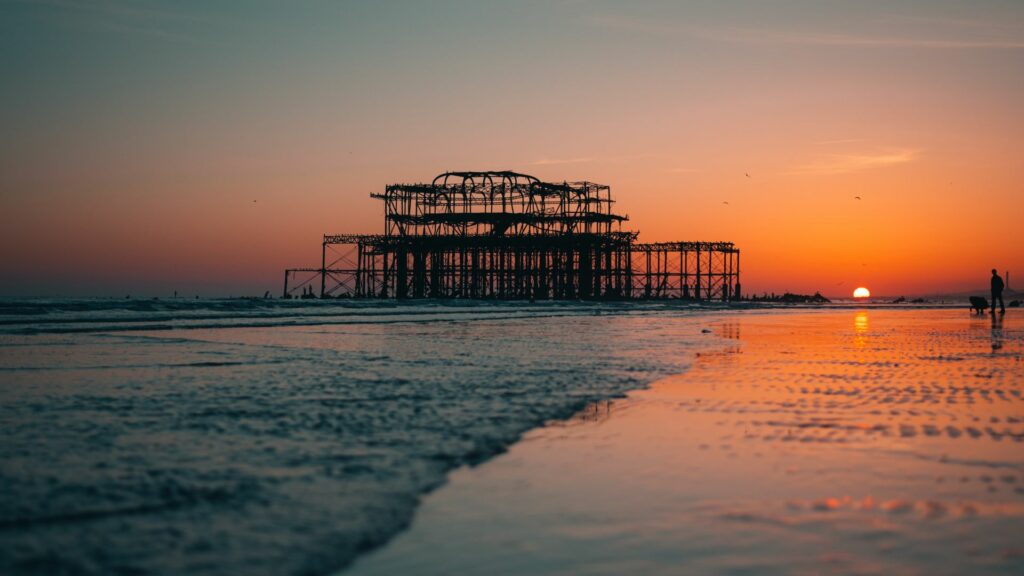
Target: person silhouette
{"points": [[997, 292]]}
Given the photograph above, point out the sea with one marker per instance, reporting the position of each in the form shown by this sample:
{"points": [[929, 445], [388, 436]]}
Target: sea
{"points": [[251, 436]]}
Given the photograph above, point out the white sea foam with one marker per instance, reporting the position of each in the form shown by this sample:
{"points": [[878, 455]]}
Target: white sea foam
{"points": [[227, 437]]}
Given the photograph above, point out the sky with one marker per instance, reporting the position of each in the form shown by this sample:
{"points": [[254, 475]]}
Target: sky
{"points": [[202, 147]]}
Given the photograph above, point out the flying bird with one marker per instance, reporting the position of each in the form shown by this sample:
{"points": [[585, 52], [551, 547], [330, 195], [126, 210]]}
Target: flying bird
{"points": [[856, 197], [723, 202], [747, 174]]}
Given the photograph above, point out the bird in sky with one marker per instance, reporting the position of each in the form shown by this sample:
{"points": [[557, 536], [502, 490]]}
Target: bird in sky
{"points": [[856, 197], [724, 202], [747, 174]]}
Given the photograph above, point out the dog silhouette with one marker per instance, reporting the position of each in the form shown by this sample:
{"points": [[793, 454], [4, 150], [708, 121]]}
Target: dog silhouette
{"points": [[978, 304]]}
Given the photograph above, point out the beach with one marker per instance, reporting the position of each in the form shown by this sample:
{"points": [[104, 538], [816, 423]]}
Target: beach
{"points": [[570, 288], [851, 441], [284, 437]]}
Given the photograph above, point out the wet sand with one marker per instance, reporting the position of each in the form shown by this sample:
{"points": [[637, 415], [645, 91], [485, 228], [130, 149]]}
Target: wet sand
{"points": [[851, 442]]}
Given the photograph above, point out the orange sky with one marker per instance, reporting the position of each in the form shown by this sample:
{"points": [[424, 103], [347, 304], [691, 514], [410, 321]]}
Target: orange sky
{"points": [[137, 136]]}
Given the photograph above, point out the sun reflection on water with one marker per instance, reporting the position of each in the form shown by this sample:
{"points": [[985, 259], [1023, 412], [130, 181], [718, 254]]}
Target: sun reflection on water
{"points": [[860, 329]]}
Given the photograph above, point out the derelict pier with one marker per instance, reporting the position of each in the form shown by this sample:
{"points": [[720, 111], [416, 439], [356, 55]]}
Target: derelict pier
{"points": [[505, 235]]}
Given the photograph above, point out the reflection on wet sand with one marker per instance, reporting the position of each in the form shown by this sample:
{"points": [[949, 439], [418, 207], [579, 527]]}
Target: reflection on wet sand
{"points": [[896, 446], [997, 332], [860, 329]]}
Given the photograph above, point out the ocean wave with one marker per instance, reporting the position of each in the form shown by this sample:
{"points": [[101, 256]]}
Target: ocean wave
{"points": [[150, 447]]}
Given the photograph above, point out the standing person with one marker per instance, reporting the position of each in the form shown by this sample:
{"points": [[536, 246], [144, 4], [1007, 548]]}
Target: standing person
{"points": [[997, 292]]}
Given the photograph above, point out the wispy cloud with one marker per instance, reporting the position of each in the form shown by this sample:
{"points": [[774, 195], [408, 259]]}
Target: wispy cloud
{"points": [[839, 141], [999, 38], [589, 159], [124, 17], [753, 36], [630, 24], [977, 24], [554, 161], [118, 8], [832, 164]]}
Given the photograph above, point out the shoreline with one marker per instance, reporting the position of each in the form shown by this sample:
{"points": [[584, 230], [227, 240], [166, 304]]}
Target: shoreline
{"points": [[292, 447], [850, 453], [85, 315], [325, 437]]}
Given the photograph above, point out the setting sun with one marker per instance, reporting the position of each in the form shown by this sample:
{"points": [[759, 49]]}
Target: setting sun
{"points": [[861, 292]]}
